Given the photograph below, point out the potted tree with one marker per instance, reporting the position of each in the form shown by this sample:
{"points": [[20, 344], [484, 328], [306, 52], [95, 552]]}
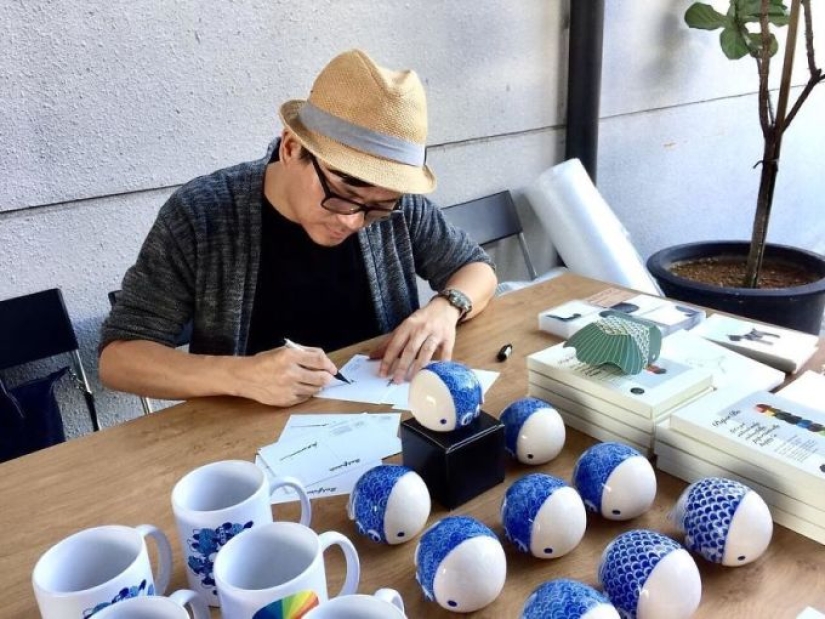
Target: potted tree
{"points": [[732, 275]]}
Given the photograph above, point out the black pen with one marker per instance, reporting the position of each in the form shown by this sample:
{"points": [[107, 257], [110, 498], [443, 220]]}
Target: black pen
{"points": [[290, 344]]}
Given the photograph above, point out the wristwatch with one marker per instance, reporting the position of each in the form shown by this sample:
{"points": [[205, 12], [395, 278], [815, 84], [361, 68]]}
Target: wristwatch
{"points": [[458, 300]]}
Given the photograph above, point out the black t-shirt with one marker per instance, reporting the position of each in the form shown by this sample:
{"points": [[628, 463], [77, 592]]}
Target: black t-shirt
{"points": [[311, 294]]}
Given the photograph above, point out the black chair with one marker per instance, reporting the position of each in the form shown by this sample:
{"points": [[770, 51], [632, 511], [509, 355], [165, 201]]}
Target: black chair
{"points": [[37, 326], [182, 340], [491, 219]]}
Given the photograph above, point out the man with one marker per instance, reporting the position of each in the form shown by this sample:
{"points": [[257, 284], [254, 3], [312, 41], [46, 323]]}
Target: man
{"points": [[318, 243]]}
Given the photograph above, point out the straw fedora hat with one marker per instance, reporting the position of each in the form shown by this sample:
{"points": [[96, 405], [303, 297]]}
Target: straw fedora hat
{"points": [[366, 121]]}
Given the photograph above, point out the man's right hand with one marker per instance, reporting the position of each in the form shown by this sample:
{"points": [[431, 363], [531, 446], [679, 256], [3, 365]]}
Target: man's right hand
{"points": [[284, 376]]}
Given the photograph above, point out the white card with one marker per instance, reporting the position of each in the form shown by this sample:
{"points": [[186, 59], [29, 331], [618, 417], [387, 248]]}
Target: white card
{"points": [[365, 386], [335, 450]]}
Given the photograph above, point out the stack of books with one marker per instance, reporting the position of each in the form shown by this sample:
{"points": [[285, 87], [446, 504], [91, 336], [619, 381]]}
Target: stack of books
{"points": [[608, 405], [784, 349], [768, 442]]}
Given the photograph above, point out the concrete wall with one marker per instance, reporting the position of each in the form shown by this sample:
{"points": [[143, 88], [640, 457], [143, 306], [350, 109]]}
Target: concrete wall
{"points": [[108, 108]]}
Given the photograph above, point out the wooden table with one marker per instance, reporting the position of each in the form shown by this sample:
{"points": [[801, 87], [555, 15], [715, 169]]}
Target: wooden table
{"points": [[125, 474]]}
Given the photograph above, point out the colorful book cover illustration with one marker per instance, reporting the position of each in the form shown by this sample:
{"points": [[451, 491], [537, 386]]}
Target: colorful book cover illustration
{"points": [[760, 427]]}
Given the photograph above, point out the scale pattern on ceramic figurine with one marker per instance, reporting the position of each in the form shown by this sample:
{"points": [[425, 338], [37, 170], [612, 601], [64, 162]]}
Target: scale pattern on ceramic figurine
{"points": [[369, 498], [522, 503], [593, 468], [439, 541], [708, 513], [563, 599], [628, 562]]}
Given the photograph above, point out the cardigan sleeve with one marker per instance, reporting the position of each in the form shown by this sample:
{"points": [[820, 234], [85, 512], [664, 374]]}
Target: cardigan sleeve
{"points": [[156, 299]]}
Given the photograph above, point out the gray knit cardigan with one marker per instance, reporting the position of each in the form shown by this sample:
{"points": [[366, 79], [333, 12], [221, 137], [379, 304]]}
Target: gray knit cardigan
{"points": [[200, 260]]}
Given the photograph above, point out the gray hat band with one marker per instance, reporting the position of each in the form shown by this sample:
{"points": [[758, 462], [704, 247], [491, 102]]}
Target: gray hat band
{"points": [[360, 138]]}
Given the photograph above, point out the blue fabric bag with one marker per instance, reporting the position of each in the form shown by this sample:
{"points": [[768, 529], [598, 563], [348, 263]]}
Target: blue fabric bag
{"points": [[30, 416]]}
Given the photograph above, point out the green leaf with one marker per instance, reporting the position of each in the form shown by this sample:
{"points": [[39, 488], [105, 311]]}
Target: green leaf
{"points": [[756, 44], [734, 45], [704, 17]]}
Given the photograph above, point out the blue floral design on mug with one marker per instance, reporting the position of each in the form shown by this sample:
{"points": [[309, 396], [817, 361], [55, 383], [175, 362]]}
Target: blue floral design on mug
{"points": [[205, 544], [144, 588]]}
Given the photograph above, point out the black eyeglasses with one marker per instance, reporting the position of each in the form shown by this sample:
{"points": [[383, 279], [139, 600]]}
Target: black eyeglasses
{"points": [[344, 206]]}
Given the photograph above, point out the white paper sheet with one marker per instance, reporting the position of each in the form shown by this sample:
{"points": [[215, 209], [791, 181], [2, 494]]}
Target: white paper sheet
{"points": [[333, 451], [366, 385]]}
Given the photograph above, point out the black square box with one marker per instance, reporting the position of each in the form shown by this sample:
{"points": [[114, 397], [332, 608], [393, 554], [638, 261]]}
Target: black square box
{"points": [[457, 465]]}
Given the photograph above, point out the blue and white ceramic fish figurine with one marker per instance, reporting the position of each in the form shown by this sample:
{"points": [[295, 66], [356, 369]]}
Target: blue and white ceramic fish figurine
{"points": [[723, 520], [567, 599], [445, 395], [647, 575], [615, 480], [390, 504], [460, 564], [533, 431], [544, 516]]}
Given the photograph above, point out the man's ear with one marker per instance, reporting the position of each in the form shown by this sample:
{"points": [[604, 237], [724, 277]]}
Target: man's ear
{"points": [[290, 148]]}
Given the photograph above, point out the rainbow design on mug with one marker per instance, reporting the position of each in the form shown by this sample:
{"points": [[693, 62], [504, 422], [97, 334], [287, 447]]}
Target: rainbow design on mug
{"points": [[291, 607]]}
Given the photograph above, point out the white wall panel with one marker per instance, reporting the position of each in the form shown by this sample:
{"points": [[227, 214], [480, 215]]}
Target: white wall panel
{"points": [[125, 96]]}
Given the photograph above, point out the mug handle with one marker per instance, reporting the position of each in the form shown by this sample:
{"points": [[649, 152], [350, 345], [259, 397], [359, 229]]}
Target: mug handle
{"points": [[333, 538], [185, 597], [391, 596], [164, 555], [295, 484]]}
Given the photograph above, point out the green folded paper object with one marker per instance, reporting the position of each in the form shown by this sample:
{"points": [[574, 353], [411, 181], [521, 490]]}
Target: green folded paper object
{"points": [[622, 340]]}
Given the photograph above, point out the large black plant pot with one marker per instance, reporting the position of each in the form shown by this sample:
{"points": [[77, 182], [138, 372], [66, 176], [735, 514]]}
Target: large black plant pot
{"points": [[799, 307]]}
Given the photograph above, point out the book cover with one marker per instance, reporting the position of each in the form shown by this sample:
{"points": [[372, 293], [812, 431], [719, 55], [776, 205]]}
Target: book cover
{"points": [[812, 494], [727, 366], [761, 428], [566, 319], [656, 389], [781, 517], [784, 349]]}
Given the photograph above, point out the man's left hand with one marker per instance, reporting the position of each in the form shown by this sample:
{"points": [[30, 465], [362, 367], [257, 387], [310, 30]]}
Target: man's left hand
{"points": [[429, 333]]}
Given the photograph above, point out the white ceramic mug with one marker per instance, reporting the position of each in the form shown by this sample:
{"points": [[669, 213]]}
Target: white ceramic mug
{"points": [[95, 568], [158, 607], [215, 502], [278, 568], [383, 604]]}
